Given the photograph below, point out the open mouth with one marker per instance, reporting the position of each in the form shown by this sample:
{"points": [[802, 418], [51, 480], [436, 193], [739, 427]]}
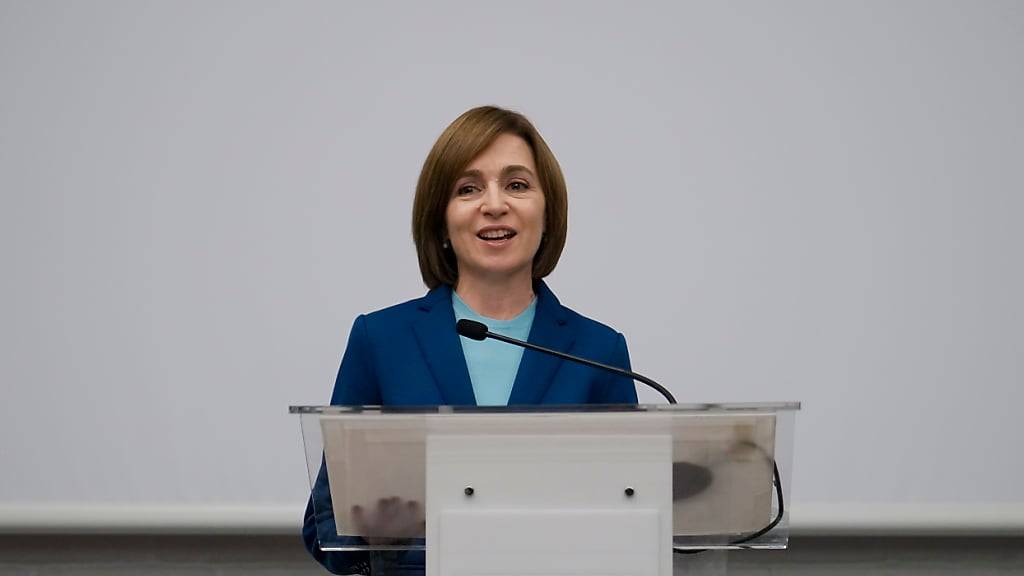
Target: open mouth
{"points": [[496, 235]]}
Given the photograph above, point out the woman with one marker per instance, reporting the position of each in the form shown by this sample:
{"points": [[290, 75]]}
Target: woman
{"points": [[489, 222]]}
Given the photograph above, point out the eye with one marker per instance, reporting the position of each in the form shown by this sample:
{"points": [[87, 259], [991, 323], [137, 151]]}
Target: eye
{"points": [[518, 186], [465, 190]]}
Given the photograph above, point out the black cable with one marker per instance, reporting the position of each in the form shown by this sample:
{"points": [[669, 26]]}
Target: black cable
{"points": [[777, 480]]}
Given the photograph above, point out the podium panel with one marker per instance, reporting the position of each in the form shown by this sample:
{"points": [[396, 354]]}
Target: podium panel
{"points": [[535, 489]]}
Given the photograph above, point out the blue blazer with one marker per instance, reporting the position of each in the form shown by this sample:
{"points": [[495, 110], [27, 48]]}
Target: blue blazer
{"points": [[410, 355]]}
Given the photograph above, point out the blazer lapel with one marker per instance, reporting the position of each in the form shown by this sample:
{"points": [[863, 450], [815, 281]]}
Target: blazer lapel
{"points": [[442, 350], [551, 330]]}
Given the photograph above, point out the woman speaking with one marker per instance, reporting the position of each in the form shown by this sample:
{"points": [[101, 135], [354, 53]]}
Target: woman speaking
{"points": [[489, 223]]}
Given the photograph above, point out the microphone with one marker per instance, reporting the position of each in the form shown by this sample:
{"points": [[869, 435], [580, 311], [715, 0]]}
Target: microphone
{"points": [[478, 331]]}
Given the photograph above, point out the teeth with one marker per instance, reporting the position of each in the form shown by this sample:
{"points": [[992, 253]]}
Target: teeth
{"points": [[496, 234]]}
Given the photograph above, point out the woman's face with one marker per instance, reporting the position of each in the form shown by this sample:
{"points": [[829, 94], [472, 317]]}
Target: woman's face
{"points": [[495, 217]]}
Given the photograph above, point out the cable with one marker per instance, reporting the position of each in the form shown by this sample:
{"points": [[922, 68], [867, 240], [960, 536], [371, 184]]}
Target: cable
{"points": [[777, 480]]}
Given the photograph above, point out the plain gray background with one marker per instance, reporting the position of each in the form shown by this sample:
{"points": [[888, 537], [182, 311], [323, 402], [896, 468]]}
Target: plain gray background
{"points": [[814, 201]]}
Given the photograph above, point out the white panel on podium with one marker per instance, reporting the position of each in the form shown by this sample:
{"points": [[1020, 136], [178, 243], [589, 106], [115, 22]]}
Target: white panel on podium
{"points": [[541, 505]]}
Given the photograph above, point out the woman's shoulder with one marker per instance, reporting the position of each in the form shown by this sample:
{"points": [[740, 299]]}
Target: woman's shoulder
{"points": [[579, 322], [410, 309], [587, 324]]}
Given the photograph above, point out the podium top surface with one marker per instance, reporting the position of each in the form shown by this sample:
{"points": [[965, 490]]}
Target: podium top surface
{"points": [[745, 407]]}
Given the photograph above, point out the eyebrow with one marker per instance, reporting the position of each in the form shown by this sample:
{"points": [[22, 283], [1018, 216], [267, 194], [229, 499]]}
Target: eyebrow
{"points": [[511, 168]]}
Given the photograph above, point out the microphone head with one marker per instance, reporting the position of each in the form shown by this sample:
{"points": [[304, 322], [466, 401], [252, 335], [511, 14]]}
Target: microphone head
{"points": [[471, 329]]}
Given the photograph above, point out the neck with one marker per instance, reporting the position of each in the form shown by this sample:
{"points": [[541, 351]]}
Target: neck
{"points": [[501, 299]]}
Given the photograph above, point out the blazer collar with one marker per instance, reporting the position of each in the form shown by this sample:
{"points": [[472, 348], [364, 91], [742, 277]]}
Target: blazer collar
{"points": [[550, 329], [437, 337], [442, 350]]}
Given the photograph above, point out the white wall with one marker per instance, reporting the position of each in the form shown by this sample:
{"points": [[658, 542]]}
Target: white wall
{"points": [[773, 201]]}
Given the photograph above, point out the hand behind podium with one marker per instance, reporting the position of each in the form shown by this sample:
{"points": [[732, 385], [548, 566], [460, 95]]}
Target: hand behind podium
{"points": [[392, 521]]}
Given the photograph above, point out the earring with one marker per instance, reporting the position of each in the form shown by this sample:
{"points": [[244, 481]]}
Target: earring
{"points": [[444, 244]]}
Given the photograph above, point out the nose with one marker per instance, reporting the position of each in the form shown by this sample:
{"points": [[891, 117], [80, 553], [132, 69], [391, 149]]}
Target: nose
{"points": [[494, 203]]}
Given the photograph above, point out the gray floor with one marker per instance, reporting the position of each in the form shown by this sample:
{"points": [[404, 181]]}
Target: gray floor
{"points": [[273, 555]]}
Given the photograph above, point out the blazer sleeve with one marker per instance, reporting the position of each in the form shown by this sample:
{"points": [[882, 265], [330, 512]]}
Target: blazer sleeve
{"points": [[615, 389], [356, 384]]}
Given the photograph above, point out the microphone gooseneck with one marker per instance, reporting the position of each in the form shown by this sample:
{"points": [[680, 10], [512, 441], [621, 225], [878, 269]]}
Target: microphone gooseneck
{"points": [[478, 331]]}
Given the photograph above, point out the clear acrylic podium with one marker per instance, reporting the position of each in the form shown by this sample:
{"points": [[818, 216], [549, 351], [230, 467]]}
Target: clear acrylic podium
{"points": [[533, 490]]}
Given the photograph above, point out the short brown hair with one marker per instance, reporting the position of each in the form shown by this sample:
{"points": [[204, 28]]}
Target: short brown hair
{"points": [[463, 140]]}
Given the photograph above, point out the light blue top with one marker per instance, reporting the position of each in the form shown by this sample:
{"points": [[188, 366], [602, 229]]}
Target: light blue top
{"points": [[493, 364]]}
